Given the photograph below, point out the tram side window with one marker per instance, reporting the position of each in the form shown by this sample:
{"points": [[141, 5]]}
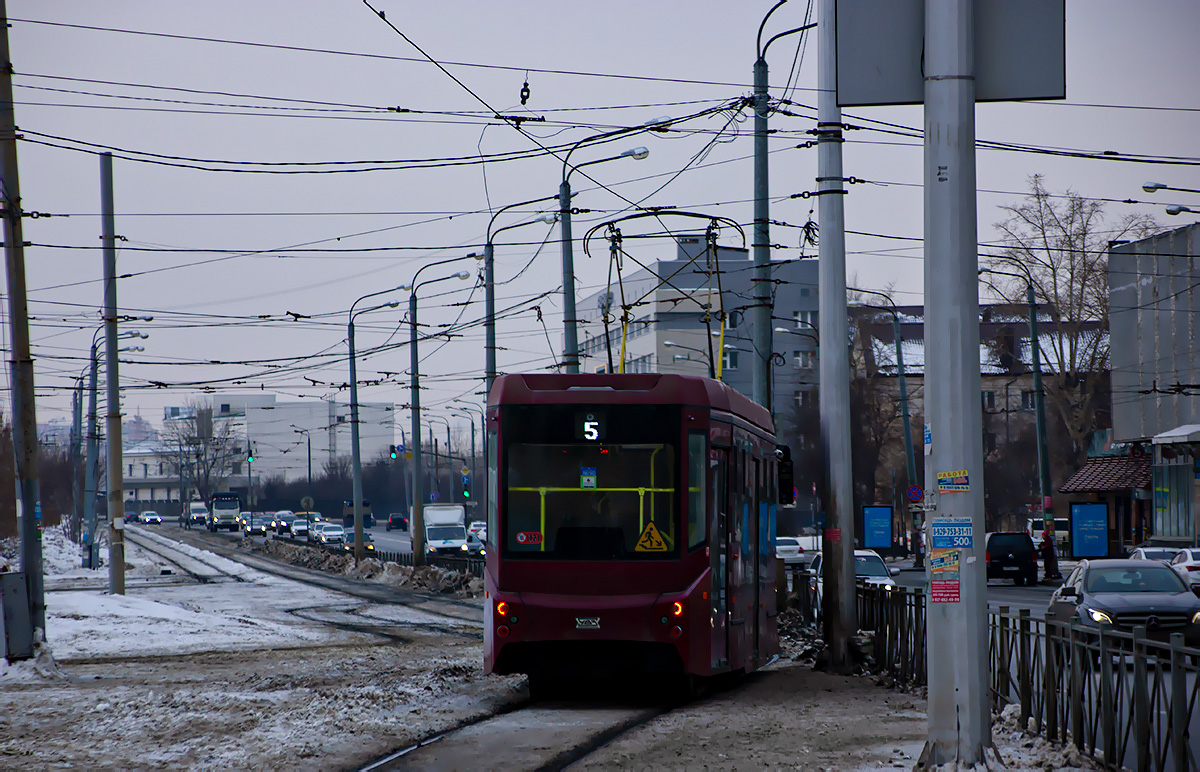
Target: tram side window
{"points": [[591, 502], [697, 482], [493, 482]]}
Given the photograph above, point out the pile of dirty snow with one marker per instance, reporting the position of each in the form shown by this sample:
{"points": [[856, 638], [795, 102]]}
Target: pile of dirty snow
{"points": [[316, 558], [428, 578], [1021, 749]]}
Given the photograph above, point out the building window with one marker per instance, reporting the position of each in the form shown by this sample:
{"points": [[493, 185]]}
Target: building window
{"points": [[729, 360], [224, 407], [805, 320], [145, 470], [160, 467], [989, 400], [804, 398], [236, 467], [1027, 400], [805, 360], [131, 470], [989, 443]]}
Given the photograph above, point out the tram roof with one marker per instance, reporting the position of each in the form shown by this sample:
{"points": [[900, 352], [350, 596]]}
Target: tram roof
{"points": [[628, 389]]}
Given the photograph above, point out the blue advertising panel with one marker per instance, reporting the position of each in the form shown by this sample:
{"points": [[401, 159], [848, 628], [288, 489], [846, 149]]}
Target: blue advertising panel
{"points": [[877, 527], [1089, 530]]}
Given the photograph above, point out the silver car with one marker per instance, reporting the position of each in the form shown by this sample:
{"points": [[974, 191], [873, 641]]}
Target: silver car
{"points": [[299, 529], [331, 533]]}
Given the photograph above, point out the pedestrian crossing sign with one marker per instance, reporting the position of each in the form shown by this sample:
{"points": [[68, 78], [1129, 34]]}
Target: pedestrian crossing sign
{"points": [[650, 540]]}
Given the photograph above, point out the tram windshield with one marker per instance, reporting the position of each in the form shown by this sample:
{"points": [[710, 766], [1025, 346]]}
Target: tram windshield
{"points": [[591, 502]]}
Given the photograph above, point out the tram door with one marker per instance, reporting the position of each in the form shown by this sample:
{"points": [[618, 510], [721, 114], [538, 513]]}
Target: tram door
{"points": [[754, 541], [718, 466]]}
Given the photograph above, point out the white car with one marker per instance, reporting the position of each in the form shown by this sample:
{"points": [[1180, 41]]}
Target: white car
{"points": [[477, 527], [1187, 563], [148, 517], [788, 548], [300, 529], [330, 533], [868, 567], [1165, 554]]}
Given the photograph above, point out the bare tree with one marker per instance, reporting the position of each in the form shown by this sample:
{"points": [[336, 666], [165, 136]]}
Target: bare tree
{"points": [[207, 446], [1063, 239]]}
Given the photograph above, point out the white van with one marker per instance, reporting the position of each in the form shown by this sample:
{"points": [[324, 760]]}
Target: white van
{"points": [[1062, 530], [197, 513]]}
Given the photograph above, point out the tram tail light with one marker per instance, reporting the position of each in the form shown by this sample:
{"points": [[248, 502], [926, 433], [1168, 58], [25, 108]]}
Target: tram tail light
{"points": [[502, 631], [676, 609], [501, 608], [676, 631]]}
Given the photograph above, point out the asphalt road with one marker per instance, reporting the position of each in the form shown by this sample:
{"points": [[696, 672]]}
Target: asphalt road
{"points": [[999, 592]]}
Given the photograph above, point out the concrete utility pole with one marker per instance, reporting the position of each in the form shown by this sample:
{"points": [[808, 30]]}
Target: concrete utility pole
{"points": [[76, 481], [761, 246], [1039, 403], [25, 445], [841, 617], [91, 558], [959, 721], [112, 418]]}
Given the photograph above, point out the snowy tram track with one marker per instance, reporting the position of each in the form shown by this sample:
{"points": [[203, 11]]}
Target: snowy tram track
{"points": [[439, 610], [195, 566], [543, 737]]}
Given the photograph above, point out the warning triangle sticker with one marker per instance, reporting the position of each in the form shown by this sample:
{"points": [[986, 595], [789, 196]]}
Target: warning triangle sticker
{"points": [[650, 540]]}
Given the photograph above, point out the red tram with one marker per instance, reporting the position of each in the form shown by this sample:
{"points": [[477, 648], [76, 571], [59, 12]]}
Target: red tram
{"points": [[631, 527]]}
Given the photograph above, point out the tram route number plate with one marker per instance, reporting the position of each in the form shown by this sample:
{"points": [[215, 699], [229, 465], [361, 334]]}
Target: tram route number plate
{"points": [[951, 533], [529, 537]]}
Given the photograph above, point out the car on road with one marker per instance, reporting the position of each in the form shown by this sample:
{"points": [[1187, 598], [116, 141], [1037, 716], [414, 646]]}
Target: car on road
{"points": [[150, 517], [299, 529], [368, 543], [868, 568], [1011, 555], [257, 524], [1165, 554], [281, 522], [475, 544], [131, 517], [788, 548], [476, 527], [1187, 563], [1122, 594], [397, 520], [330, 533]]}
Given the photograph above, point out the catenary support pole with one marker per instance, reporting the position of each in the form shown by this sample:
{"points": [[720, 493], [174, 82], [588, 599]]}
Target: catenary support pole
{"points": [[76, 477], [91, 556], [959, 721], [570, 332], [25, 445], [112, 417], [355, 456], [417, 520], [841, 619], [761, 245], [1039, 409]]}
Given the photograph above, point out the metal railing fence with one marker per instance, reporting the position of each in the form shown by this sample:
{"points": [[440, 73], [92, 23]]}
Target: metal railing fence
{"points": [[1123, 697]]}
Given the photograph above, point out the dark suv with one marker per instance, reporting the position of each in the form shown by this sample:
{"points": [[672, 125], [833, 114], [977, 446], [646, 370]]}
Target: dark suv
{"points": [[397, 520], [1010, 555]]}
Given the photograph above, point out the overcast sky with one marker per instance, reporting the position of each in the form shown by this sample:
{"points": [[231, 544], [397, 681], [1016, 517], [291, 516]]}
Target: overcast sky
{"points": [[220, 258]]}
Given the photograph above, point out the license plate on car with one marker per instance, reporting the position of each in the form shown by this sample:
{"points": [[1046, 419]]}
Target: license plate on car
{"points": [[1011, 568]]}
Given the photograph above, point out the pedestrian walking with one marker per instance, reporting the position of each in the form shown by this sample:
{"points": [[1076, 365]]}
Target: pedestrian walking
{"points": [[1049, 557]]}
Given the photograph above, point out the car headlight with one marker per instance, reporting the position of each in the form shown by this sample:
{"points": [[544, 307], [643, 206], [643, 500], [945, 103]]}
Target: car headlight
{"points": [[463, 548], [1196, 618], [889, 587], [1099, 617]]}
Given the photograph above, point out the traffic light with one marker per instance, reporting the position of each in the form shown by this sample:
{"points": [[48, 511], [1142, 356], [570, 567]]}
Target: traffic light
{"points": [[392, 452], [250, 453]]}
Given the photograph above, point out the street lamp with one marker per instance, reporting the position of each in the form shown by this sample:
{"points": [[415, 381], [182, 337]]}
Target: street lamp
{"points": [[308, 437], [763, 345], [489, 283], [1039, 407], [1150, 187], [436, 462], [470, 411], [418, 516], [1175, 209], [355, 456], [711, 370], [571, 342]]}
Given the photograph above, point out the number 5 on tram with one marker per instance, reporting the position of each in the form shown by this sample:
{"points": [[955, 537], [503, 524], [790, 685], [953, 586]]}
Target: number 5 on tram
{"points": [[631, 527]]}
